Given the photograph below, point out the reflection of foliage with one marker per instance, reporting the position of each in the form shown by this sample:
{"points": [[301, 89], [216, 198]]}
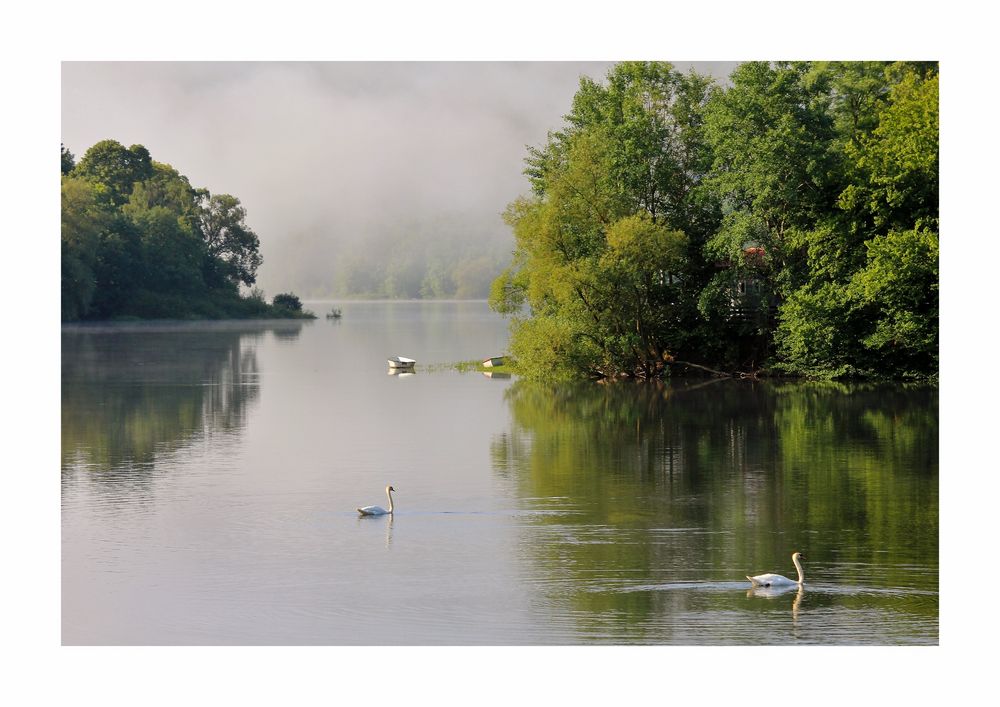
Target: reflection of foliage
{"points": [[865, 462], [661, 481], [132, 394]]}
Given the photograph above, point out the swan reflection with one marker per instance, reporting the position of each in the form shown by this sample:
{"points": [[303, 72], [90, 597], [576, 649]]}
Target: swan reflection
{"points": [[363, 519], [777, 591]]}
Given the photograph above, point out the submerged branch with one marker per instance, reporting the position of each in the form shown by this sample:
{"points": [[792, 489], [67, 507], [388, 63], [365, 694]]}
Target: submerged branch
{"points": [[722, 374]]}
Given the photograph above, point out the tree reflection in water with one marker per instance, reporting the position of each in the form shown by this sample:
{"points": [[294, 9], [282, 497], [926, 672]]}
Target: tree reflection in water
{"points": [[639, 486], [134, 393]]}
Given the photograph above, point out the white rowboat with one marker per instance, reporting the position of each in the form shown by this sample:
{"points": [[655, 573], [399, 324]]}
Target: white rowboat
{"points": [[401, 362]]}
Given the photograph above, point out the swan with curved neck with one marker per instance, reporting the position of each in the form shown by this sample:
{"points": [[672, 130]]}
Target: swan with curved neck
{"points": [[776, 580], [378, 510]]}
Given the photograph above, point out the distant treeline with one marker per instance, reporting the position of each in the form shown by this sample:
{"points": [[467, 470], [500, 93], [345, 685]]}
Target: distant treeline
{"points": [[450, 256], [138, 241], [787, 221]]}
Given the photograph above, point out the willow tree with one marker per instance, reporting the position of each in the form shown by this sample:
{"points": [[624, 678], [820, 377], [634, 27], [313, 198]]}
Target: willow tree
{"points": [[604, 242]]}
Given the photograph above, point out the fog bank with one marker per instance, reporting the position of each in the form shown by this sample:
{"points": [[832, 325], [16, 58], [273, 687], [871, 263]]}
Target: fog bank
{"points": [[328, 157]]}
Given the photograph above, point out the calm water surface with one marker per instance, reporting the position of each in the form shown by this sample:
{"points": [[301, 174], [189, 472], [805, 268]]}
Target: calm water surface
{"points": [[210, 473]]}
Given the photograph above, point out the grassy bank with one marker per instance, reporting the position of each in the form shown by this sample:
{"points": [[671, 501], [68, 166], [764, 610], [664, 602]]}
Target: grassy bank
{"points": [[509, 367]]}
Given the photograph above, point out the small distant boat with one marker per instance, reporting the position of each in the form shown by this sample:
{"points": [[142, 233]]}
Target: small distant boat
{"points": [[401, 362], [495, 361], [334, 313]]}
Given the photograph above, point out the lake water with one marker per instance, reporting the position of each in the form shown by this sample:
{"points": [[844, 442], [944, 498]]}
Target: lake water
{"points": [[210, 473]]}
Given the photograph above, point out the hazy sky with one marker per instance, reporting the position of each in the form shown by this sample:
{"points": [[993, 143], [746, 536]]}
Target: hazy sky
{"points": [[336, 148]]}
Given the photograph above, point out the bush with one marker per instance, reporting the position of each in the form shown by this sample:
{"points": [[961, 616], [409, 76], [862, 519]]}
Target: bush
{"points": [[549, 348], [287, 300]]}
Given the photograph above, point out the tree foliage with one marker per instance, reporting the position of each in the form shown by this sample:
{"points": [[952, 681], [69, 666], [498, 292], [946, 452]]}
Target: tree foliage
{"points": [[116, 167], [604, 243], [788, 219], [67, 159], [287, 300], [872, 261], [139, 241], [84, 219], [232, 246]]}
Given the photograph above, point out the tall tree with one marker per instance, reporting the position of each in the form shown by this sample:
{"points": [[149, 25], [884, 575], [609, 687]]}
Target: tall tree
{"points": [[603, 244], [770, 133], [233, 248]]}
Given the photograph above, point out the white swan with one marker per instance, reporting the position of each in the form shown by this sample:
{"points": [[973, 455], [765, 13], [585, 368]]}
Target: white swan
{"points": [[378, 510], [776, 580]]}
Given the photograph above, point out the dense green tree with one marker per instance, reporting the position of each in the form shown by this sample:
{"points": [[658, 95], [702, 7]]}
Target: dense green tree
{"points": [[805, 194], [603, 244], [172, 252], [899, 288], [120, 270], [116, 167], [166, 187], [898, 159], [770, 134], [868, 305], [139, 241]]}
